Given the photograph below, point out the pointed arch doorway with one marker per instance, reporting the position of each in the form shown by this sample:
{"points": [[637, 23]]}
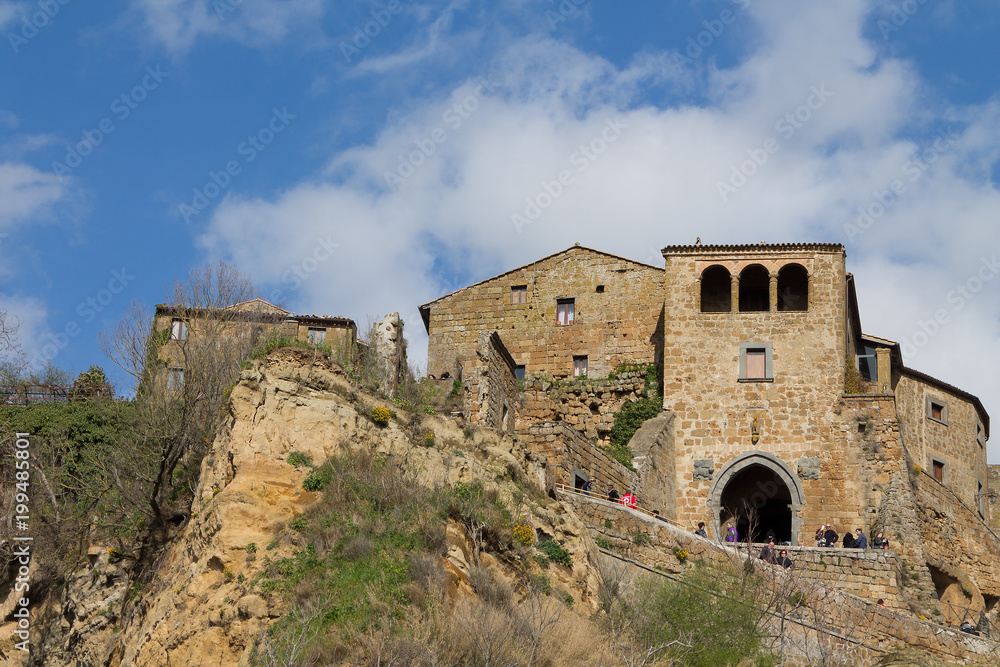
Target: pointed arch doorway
{"points": [[762, 485]]}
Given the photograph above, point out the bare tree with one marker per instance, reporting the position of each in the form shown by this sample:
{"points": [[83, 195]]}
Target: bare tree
{"points": [[182, 369]]}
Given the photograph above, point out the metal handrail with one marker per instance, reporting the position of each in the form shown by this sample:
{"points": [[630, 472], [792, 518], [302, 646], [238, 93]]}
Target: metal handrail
{"points": [[603, 496]]}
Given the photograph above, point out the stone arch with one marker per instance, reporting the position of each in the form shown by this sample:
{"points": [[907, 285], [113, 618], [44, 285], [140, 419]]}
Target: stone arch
{"points": [[768, 468], [716, 290], [793, 288], [755, 289]]}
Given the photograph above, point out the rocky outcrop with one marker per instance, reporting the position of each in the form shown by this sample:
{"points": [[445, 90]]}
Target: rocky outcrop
{"points": [[200, 608]]}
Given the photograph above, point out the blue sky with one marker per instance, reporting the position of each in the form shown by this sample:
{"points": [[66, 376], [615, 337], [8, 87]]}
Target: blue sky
{"points": [[358, 158]]}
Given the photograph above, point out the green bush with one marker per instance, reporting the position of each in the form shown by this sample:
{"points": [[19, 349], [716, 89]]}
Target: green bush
{"points": [[555, 553], [316, 481], [627, 422], [456, 388], [300, 460]]}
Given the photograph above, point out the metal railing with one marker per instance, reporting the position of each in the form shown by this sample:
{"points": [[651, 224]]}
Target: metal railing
{"points": [[604, 496]]}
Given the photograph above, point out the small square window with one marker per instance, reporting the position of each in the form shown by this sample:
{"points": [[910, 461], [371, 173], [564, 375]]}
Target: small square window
{"points": [[316, 335], [579, 366], [178, 329], [519, 371], [518, 295], [937, 410], [565, 311], [756, 362], [600, 289]]}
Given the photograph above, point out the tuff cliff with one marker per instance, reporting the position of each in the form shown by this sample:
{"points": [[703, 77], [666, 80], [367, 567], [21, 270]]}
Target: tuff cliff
{"points": [[201, 607]]}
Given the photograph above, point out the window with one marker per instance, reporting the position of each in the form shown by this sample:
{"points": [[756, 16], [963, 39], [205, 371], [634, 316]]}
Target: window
{"points": [[755, 288], [980, 499], [756, 362], [868, 363], [175, 379], [178, 329], [716, 290], [519, 371], [600, 289], [564, 311], [579, 366], [518, 294], [793, 288], [317, 335], [937, 470], [937, 410]]}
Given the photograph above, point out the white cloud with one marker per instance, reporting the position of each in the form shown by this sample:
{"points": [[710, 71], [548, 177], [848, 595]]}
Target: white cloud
{"points": [[9, 11], [27, 193], [178, 24], [657, 182]]}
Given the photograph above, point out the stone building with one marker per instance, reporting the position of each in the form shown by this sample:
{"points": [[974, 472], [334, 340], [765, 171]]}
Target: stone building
{"points": [[245, 322], [778, 400], [577, 312]]}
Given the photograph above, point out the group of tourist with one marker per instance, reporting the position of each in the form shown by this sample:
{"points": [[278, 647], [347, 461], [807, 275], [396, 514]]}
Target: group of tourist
{"points": [[826, 536]]}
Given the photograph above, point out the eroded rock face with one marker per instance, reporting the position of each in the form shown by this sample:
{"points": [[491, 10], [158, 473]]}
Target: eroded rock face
{"points": [[199, 610], [387, 344]]}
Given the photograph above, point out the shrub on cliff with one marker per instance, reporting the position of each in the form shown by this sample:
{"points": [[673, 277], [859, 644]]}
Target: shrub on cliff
{"points": [[627, 422]]}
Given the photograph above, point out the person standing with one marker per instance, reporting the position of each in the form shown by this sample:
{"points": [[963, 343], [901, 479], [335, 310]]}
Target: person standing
{"points": [[830, 536], [613, 494], [701, 529], [732, 537], [783, 560], [879, 542], [767, 553], [860, 541]]}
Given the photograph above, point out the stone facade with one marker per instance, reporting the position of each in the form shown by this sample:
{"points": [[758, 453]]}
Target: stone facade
{"points": [[247, 320], [611, 309], [490, 386], [589, 406], [572, 459], [780, 413]]}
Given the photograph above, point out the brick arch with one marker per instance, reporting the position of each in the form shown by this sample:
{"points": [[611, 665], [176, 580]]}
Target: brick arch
{"points": [[771, 462]]}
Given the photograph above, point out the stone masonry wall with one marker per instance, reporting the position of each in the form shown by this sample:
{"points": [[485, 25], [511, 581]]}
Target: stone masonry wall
{"points": [[617, 315], [883, 628], [490, 384], [589, 406], [795, 409], [954, 443], [965, 553], [567, 452]]}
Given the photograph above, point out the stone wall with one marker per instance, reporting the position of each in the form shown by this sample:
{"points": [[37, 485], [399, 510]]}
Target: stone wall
{"points": [[569, 454], [589, 406], [993, 497], [617, 315], [490, 384], [954, 443], [794, 408], [963, 554], [838, 610]]}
